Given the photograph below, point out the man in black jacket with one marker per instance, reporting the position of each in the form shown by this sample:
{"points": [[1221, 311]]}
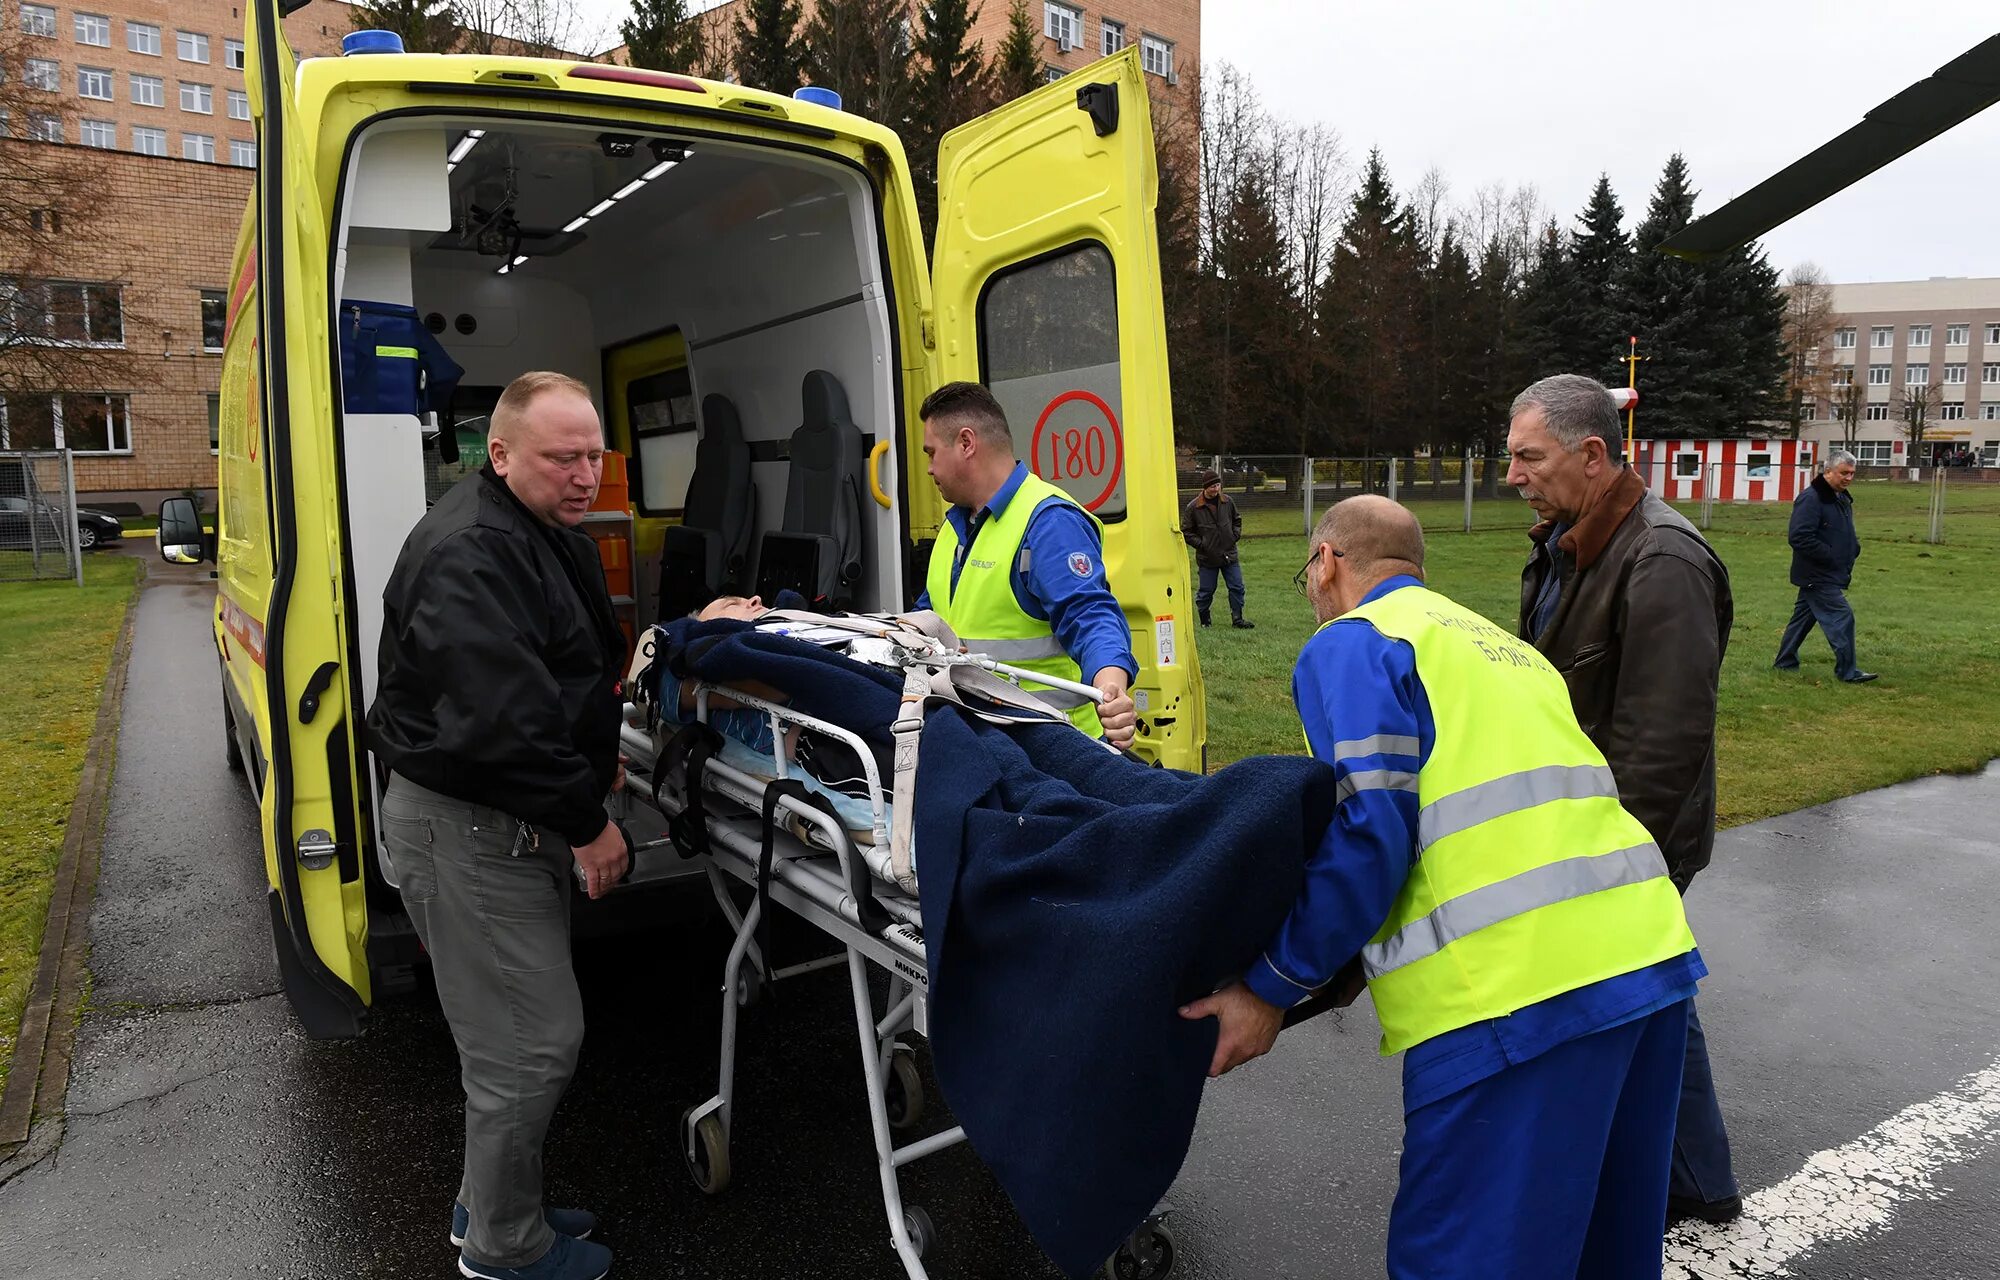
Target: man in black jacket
{"points": [[497, 716], [1212, 526], [1824, 549]]}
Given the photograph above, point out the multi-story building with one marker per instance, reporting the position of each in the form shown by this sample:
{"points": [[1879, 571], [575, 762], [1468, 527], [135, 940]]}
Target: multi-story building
{"points": [[1939, 338], [158, 87]]}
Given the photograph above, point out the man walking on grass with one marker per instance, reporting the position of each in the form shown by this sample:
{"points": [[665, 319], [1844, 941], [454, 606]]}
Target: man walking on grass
{"points": [[1824, 549]]}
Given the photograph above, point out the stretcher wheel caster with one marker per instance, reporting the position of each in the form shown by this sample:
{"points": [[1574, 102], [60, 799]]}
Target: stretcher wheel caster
{"points": [[749, 986], [705, 1148], [1148, 1254], [904, 1092], [918, 1226]]}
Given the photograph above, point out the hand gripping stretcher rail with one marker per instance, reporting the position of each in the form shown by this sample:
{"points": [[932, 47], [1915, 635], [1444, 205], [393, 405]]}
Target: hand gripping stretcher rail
{"points": [[793, 850]]}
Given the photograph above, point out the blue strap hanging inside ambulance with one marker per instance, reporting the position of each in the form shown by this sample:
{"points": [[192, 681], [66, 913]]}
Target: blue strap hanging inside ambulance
{"points": [[390, 363]]}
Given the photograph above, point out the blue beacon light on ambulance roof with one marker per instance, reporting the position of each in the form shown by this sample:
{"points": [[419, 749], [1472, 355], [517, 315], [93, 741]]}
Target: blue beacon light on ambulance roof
{"points": [[370, 42], [818, 96]]}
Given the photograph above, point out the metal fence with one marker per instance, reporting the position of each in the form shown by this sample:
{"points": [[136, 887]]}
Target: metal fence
{"points": [[38, 530], [1470, 493]]}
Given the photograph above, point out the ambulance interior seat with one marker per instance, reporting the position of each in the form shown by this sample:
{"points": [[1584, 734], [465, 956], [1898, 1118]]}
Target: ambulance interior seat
{"points": [[818, 550], [707, 554]]}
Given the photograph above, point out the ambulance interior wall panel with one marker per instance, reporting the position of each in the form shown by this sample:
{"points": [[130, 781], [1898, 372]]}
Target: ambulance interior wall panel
{"points": [[377, 272], [525, 320], [399, 180]]}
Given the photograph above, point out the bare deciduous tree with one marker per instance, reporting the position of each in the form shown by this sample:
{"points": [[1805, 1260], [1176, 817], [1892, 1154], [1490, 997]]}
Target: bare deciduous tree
{"points": [[1809, 325], [1917, 405], [1850, 402]]}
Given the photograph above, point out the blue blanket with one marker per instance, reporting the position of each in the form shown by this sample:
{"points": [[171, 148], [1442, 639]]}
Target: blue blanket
{"points": [[1073, 899]]}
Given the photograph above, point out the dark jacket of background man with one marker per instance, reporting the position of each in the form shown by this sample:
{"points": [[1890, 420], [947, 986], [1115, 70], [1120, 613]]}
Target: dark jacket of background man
{"points": [[1213, 530], [1824, 544], [1639, 633]]}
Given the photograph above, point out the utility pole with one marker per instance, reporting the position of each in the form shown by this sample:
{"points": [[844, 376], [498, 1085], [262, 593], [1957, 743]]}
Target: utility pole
{"points": [[1631, 360]]}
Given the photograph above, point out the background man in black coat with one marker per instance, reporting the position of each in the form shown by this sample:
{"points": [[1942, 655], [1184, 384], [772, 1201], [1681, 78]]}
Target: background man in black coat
{"points": [[1824, 549]]}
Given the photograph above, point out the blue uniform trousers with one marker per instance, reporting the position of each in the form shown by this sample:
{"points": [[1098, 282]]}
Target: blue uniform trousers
{"points": [[1555, 1167]]}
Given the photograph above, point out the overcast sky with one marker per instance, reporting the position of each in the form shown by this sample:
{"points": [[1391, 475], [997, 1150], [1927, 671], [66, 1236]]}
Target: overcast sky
{"points": [[1551, 92]]}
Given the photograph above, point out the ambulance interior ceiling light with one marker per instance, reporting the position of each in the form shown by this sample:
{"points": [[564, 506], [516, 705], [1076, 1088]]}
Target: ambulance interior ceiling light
{"points": [[667, 152], [464, 148]]}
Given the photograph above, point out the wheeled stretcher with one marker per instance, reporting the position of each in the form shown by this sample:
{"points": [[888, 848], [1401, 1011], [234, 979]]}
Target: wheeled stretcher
{"points": [[849, 877]]}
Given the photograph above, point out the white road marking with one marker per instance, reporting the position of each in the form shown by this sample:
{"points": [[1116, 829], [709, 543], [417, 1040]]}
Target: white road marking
{"points": [[1847, 1192]]}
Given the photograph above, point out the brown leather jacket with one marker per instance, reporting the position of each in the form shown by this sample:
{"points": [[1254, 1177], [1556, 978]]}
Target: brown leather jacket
{"points": [[1638, 632]]}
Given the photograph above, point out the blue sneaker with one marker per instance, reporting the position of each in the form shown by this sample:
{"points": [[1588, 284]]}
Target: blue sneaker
{"points": [[566, 1222], [567, 1259]]}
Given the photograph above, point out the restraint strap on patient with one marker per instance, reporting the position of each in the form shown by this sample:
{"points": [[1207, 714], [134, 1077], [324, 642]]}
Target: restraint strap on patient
{"points": [[687, 753]]}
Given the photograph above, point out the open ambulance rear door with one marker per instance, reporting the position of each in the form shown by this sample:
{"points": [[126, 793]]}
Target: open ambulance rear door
{"points": [[319, 911], [1046, 280]]}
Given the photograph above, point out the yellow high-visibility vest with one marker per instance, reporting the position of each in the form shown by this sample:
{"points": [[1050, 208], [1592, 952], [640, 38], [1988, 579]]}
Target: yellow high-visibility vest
{"points": [[982, 608], [1531, 879]]}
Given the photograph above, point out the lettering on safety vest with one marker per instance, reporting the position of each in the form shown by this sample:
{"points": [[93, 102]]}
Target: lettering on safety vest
{"points": [[1497, 645]]}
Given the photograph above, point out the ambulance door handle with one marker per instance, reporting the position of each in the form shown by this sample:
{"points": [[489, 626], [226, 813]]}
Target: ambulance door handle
{"points": [[309, 700], [875, 456]]}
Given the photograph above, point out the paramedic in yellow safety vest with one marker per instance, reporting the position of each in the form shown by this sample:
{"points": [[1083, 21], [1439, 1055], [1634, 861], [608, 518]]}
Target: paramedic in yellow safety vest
{"points": [[1521, 940], [1018, 568]]}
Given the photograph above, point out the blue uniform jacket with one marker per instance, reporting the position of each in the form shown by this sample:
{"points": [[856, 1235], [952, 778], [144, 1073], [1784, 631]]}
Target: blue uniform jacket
{"points": [[1078, 607], [1364, 709]]}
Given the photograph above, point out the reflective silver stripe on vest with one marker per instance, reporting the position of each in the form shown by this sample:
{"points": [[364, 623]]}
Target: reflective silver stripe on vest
{"points": [[1382, 744], [1509, 794], [1015, 650], [1539, 887], [1374, 780], [1060, 699]]}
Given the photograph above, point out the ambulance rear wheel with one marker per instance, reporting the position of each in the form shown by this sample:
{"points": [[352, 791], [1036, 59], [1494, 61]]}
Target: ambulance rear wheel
{"points": [[904, 1091], [232, 750], [705, 1148], [1148, 1254]]}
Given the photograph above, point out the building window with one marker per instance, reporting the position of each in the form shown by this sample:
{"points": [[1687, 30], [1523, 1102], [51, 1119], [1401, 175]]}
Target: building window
{"points": [[40, 73], [1157, 55], [38, 20], [243, 153], [93, 29], [1687, 466], [65, 312], [198, 98], [232, 54], [191, 47], [148, 91], [1990, 412], [1881, 335], [1843, 376], [1808, 412], [1952, 412], [1114, 37], [43, 128], [1993, 333], [1062, 24], [239, 105], [142, 37], [98, 133], [1989, 373], [93, 82], [1916, 375], [1051, 74], [1957, 335], [197, 146], [1878, 375], [1989, 453], [1920, 335], [1843, 338], [1954, 375], [1877, 413], [214, 313], [149, 142], [214, 423], [1873, 453]]}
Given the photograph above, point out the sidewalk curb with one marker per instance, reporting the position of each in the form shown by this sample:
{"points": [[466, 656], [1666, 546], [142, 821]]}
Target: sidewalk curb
{"points": [[48, 1023]]}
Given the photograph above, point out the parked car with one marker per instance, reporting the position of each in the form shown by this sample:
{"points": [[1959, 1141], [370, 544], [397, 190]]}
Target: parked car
{"points": [[93, 528]]}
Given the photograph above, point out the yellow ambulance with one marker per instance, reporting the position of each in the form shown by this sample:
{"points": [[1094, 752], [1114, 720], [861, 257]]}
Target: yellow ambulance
{"points": [[703, 256]]}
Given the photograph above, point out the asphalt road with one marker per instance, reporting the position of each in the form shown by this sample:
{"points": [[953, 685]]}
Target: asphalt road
{"points": [[1855, 975]]}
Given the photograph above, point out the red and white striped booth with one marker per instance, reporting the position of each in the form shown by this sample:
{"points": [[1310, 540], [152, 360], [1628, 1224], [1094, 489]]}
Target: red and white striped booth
{"points": [[1737, 470]]}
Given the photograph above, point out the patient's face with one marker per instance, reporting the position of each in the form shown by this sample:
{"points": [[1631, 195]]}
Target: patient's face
{"points": [[742, 608]]}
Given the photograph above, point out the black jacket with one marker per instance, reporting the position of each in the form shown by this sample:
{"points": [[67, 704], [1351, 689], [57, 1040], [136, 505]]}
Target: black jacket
{"points": [[1824, 544], [499, 663], [1212, 531]]}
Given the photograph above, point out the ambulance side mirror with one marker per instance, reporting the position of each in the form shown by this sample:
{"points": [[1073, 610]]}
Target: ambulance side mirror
{"points": [[182, 539]]}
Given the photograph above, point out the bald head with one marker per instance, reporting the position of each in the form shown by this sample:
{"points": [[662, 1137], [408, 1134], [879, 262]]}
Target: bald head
{"points": [[1376, 538]]}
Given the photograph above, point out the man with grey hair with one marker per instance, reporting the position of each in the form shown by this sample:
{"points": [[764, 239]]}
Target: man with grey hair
{"points": [[1824, 549], [1633, 606]]}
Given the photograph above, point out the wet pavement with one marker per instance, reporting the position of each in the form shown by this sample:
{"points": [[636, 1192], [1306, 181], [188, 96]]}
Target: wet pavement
{"points": [[1856, 974]]}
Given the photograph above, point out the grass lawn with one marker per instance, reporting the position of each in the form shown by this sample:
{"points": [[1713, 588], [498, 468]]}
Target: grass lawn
{"points": [[55, 644], [1927, 618]]}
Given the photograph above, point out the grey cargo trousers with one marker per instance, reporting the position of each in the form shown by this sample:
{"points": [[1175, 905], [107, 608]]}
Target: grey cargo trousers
{"points": [[495, 920]]}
